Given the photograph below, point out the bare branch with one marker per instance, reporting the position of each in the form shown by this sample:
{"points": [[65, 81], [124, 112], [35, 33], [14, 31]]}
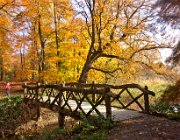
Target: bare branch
{"points": [[145, 49], [115, 25], [149, 67], [137, 9]]}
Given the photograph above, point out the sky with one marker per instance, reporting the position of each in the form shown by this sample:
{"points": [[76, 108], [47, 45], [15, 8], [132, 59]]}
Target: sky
{"points": [[165, 53], [172, 36]]}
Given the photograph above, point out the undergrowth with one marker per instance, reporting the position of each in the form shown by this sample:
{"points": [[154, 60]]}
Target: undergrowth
{"points": [[13, 112], [167, 110], [172, 94], [88, 129]]}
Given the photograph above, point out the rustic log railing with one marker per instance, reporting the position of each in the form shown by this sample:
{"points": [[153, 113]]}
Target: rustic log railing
{"points": [[118, 93], [71, 98]]}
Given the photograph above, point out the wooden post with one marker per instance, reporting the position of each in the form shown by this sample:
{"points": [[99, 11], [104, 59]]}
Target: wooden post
{"points": [[65, 93], [61, 116], [37, 102], [64, 83], [146, 101], [108, 103], [25, 90], [93, 94]]}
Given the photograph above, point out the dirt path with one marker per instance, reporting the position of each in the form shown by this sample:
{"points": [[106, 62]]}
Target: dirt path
{"points": [[145, 128]]}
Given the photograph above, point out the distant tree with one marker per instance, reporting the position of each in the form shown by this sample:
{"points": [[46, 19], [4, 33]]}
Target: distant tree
{"points": [[169, 13], [175, 56], [5, 48]]}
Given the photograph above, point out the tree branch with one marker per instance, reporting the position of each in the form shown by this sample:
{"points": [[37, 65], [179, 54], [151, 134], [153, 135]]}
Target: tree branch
{"points": [[106, 71], [112, 56], [150, 48]]}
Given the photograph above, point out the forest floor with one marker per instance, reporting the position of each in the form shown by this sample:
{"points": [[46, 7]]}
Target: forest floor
{"points": [[146, 127]]}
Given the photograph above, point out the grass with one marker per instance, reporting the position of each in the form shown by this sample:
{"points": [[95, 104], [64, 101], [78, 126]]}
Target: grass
{"points": [[164, 109], [54, 134], [9, 111], [92, 129], [88, 129]]}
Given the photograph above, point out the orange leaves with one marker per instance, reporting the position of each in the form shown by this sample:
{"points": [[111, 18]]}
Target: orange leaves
{"points": [[51, 32], [4, 21]]}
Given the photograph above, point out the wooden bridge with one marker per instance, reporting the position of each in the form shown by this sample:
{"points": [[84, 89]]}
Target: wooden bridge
{"points": [[79, 100]]}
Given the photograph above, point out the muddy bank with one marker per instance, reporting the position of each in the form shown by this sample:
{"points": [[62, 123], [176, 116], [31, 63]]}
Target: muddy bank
{"points": [[33, 127], [45, 124]]}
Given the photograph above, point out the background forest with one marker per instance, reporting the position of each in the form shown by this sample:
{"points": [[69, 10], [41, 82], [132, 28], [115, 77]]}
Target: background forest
{"points": [[107, 41]]}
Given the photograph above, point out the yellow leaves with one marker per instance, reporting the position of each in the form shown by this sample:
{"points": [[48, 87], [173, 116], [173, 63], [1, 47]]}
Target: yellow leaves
{"points": [[4, 21], [4, 24], [4, 2], [96, 76], [114, 25], [131, 31], [46, 29]]}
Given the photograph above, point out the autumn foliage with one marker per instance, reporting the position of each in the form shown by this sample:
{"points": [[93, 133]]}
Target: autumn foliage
{"points": [[64, 40]]}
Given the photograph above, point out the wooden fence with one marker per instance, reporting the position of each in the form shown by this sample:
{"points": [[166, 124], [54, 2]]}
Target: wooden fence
{"points": [[70, 99]]}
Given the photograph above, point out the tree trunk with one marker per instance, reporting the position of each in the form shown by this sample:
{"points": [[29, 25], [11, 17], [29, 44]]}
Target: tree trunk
{"points": [[92, 54], [56, 34], [22, 66], [87, 66], [84, 73], [42, 53], [1, 69]]}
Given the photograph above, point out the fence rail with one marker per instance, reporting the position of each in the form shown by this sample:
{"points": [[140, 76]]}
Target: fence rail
{"points": [[73, 99]]}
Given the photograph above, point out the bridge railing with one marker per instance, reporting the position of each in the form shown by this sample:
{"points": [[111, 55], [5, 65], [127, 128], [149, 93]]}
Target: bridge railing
{"points": [[131, 96], [70, 100], [73, 98]]}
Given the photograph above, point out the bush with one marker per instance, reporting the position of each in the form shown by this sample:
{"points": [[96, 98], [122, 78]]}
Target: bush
{"points": [[167, 110], [172, 94], [13, 113], [92, 129]]}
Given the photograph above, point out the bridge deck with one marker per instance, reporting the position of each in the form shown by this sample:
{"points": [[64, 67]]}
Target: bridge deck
{"points": [[117, 114]]}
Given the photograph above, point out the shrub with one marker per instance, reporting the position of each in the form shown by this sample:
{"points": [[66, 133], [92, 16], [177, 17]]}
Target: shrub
{"points": [[167, 110], [172, 94], [92, 129]]}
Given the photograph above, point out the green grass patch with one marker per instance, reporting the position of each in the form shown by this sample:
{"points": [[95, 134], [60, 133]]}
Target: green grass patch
{"points": [[92, 129], [9, 111], [54, 134], [166, 110], [89, 129]]}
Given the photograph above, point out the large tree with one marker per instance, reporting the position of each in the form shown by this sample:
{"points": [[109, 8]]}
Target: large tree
{"points": [[118, 42]]}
